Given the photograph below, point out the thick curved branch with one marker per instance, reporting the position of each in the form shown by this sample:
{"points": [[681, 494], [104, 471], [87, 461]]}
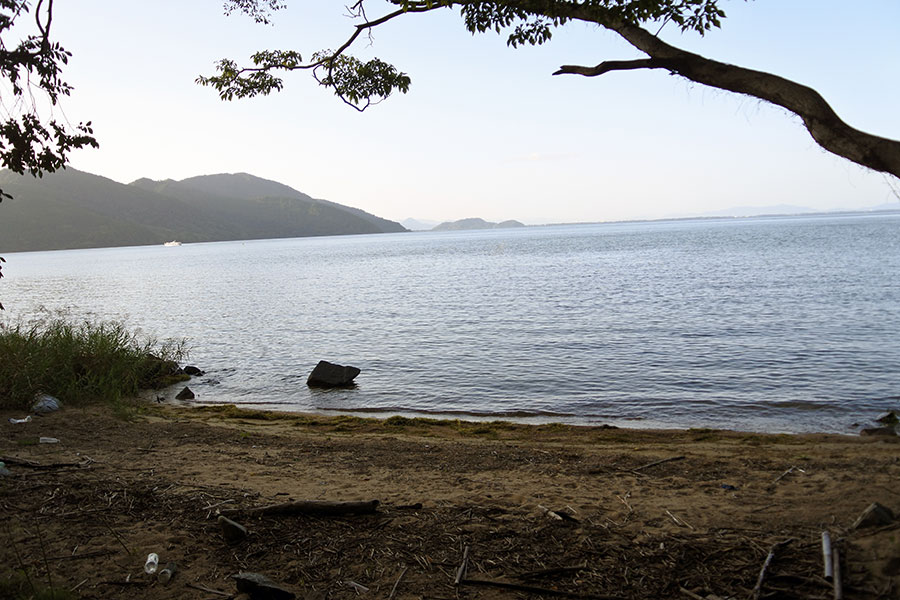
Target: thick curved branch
{"points": [[824, 125], [612, 65]]}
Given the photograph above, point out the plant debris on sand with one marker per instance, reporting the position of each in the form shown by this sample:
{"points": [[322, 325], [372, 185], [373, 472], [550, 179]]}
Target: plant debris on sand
{"points": [[478, 511]]}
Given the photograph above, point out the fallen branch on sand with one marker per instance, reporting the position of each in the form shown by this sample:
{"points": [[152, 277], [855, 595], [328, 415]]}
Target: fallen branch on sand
{"points": [[309, 507]]}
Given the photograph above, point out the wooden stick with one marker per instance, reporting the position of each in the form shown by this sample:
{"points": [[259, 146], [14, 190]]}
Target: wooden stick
{"points": [[396, 583], [691, 594], [203, 588], [309, 507], [461, 572], [658, 462], [757, 589], [837, 583], [827, 557], [555, 571], [535, 590]]}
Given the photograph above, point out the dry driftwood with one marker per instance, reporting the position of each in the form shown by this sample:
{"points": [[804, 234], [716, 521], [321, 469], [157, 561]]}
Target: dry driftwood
{"points": [[309, 507]]}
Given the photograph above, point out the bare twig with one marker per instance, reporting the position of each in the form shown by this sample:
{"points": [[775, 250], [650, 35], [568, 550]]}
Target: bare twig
{"points": [[658, 462], [203, 588], [461, 572], [309, 507], [396, 583], [534, 589], [757, 589]]}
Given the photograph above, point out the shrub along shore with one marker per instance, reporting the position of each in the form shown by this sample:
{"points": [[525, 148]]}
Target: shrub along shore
{"points": [[81, 363]]}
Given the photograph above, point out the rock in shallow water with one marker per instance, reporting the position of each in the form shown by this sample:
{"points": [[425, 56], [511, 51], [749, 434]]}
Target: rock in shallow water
{"points": [[330, 375]]}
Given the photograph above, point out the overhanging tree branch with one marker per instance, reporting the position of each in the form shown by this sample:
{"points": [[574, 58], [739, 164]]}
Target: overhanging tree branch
{"points": [[532, 22], [824, 125]]}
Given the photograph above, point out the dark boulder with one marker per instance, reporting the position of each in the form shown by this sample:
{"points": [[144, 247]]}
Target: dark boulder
{"points": [[185, 394], [329, 375], [193, 371]]}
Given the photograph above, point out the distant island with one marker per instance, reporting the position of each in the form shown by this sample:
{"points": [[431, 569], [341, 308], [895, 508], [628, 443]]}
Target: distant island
{"points": [[72, 209], [476, 223]]}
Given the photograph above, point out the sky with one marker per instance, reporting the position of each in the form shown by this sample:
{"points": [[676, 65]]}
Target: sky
{"points": [[485, 130]]}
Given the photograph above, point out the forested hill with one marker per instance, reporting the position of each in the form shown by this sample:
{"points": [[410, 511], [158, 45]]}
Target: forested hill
{"points": [[73, 209]]}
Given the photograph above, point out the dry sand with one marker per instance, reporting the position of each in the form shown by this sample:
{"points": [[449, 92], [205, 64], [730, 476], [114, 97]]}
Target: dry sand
{"points": [[92, 506]]}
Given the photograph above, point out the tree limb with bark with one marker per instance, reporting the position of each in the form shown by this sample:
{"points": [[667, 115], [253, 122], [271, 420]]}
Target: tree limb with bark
{"points": [[532, 22]]}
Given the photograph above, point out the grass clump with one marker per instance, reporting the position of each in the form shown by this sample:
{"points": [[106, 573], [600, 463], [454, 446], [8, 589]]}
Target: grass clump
{"points": [[80, 363]]}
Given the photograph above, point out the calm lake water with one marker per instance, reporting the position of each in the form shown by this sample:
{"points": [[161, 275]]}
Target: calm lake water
{"points": [[767, 324]]}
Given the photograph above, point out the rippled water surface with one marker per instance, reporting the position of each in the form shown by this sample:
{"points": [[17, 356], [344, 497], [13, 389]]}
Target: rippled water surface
{"points": [[780, 324]]}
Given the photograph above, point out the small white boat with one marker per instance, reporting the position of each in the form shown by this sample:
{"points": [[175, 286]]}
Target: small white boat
{"points": [[172, 243]]}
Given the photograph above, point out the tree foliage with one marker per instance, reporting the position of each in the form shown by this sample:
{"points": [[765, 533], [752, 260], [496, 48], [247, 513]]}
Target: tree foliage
{"points": [[31, 69], [532, 22]]}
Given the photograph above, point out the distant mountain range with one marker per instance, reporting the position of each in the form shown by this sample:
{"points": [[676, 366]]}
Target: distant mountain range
{"points": [[475, 223], [73, 209]]}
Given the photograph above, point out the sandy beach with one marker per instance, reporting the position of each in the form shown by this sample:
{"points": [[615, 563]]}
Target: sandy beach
{"points": [[466, 510]]}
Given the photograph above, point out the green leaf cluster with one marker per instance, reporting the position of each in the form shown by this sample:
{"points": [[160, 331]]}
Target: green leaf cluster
{"points": [[525, 22], [359, 84], [32, 64]]}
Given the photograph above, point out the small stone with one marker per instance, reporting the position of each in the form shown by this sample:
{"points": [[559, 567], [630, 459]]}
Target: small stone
{"points": [[185, 394], [193, 371], [330, 375], [874, 516], [231, 531]]}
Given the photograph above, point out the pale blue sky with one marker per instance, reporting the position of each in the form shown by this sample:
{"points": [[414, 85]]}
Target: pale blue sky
{"points": [[485, 130]]}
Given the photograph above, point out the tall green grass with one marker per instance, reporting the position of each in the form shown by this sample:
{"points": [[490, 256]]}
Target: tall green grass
{"points": [[80, 363]]}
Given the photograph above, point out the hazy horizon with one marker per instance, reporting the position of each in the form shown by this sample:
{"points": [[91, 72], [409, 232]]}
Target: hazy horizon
{"points": [[486, 130]]}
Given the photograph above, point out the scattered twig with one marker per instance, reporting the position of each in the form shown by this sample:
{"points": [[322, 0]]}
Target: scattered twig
{"points": [[203, 588], [757, 589], [357, 587], [83, 581], [396, 583], [549, 572], [691, 594], [309, 507], [461, 572], [534, 589], [115, 535], [680, 522], [788, 472], [212, 506], [658, 462], [93, 554]]}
